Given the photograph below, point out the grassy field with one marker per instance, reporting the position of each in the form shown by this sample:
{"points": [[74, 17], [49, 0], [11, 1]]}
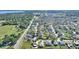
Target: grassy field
{"points": [[8, 30], [26, 45]]}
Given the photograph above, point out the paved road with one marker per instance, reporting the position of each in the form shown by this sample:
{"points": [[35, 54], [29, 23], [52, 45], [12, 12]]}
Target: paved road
{"points": [[20, 40]]}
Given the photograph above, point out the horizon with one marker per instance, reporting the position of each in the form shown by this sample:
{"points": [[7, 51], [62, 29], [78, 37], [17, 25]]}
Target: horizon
{"points": [[49, 11]]}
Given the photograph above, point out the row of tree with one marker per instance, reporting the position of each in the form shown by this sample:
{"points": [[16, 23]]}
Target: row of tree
{"points": [[21, 20]]}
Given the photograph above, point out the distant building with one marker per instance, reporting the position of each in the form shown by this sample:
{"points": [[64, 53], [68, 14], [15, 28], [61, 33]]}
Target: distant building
{"points": [[76, 42], [62, 43], [61, 35], [55, 43], [41, 45], [48, 42], [34, 39], [69, 45], [75, 35]]}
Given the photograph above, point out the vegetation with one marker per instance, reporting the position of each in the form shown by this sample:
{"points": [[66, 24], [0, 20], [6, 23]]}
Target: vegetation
{"points": [[50, 29], [11, 27], [26, 44]]}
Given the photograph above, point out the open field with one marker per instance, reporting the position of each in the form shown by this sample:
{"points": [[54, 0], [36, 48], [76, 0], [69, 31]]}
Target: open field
{"points": [[7, 30]]}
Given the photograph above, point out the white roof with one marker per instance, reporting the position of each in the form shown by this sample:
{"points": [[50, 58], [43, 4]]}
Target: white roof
{"points": [[42, 43], [34, 38], [77, 42], [58, 40]]}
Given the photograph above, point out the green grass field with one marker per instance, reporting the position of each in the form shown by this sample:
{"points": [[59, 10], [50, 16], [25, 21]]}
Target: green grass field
{"points": [[8, 30], [26, 45]]}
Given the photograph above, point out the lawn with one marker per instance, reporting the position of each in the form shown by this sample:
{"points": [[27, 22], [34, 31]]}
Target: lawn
{"points": [[26, 44], [8, 30]]}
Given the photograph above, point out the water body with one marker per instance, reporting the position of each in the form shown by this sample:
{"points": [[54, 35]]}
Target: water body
{"points": [[10, 11]]}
